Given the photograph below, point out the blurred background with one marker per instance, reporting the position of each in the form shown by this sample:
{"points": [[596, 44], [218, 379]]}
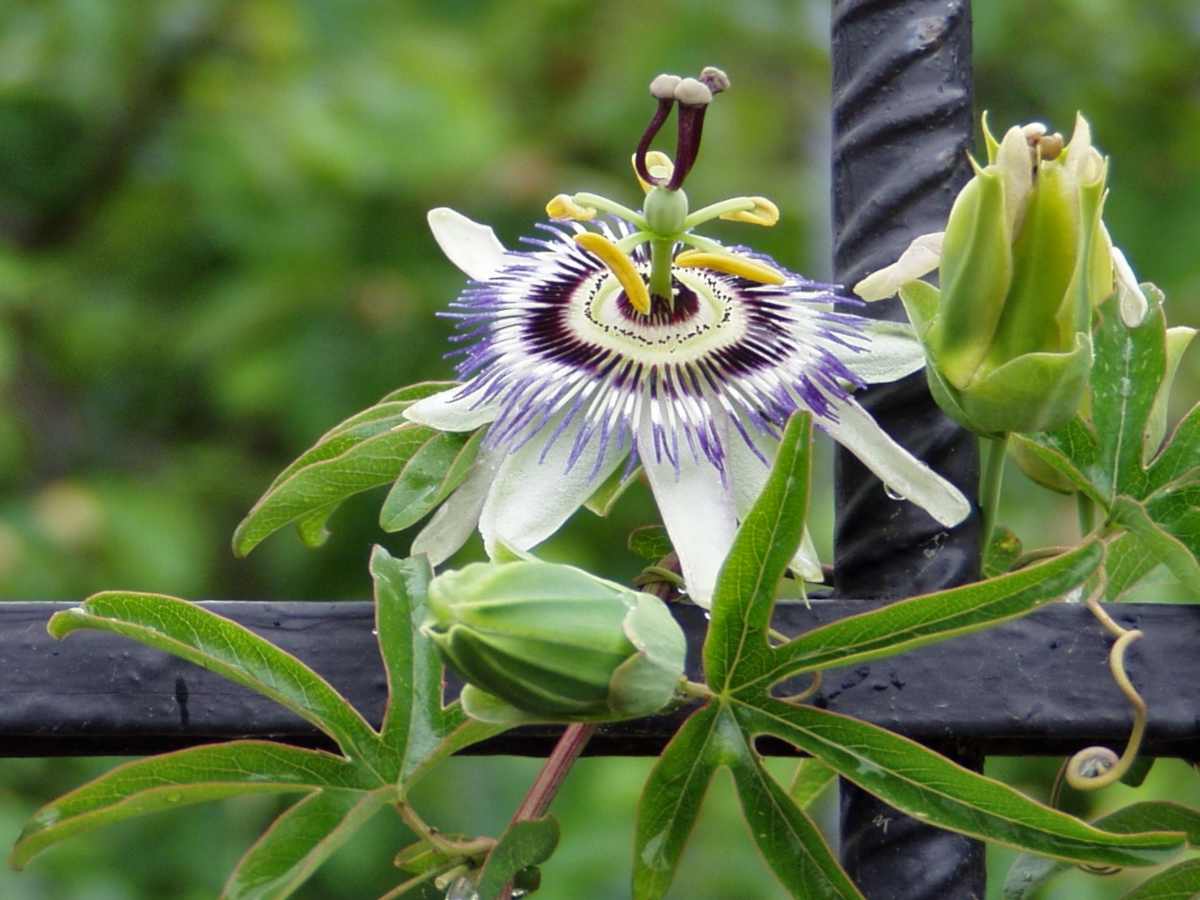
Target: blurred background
{"points": [[212, 248]]}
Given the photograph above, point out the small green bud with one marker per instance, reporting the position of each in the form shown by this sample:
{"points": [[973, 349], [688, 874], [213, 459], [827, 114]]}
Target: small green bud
{"points": [[1023, 262], [542, 642]]}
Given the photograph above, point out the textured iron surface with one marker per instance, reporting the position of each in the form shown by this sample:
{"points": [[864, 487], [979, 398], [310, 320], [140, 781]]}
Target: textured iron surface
{"points": [[1038, 685], [901, 129]]}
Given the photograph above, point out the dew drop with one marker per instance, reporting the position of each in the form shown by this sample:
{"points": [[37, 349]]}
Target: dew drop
{"points": [[893, 493], [1074, 596], [1126, 387]]}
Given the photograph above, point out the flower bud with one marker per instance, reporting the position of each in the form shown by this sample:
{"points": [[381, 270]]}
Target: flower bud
{"points": [[1024, 260], [543, 642]]}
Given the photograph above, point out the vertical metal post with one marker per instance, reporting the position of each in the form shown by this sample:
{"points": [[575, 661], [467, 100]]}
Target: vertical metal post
{"points": [[902, 126]]}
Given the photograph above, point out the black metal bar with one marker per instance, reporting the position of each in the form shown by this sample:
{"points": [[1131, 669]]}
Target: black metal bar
{"points": [[901, 129], [1038, 685]]}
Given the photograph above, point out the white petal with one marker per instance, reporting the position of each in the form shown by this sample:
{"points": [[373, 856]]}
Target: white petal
{"points": [[921, 257], [698, 511], [472, 247], [894, 352], [749, 474], [531, 498], [457, 517], [443, 412], [895, 467], [1133, 301]]}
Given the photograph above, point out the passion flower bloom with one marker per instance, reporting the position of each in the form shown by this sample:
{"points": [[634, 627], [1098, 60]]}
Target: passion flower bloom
{"points": [[608, 344]]}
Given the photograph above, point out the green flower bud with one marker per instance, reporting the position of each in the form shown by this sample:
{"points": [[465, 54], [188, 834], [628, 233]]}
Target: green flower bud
{"points": [[543, 642], [1023, 262]]}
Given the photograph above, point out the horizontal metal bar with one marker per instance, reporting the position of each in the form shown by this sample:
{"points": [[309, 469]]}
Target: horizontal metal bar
{"points": [[1038, 685]]}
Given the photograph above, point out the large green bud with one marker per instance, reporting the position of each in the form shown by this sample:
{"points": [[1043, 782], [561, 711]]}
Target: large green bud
{"points": [[543, 642], [1024, 260]]}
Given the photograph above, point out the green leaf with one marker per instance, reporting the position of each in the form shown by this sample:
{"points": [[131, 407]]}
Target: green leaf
{"points": [[416, 726], [611, 490], [1126, 562], [906, 624], [523, 844], [428, 477], [930, 787], [1002, 553], [234, 652], [671, 800], [650, 542], [810, 779], [174, 780], [1104, 458], [1071, 451], [1028, 872], [299, 841], [367, 450], [1129, 367], [1181, 453], [736, 650], [788, 839], [1180, 882], [412, 722], [1163, 546]]}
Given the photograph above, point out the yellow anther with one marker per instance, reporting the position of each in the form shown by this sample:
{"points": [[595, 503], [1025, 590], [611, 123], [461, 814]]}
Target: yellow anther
{"points": [[730, 264], [620, 265], [658, 164], [764, 213], [563, 207]]}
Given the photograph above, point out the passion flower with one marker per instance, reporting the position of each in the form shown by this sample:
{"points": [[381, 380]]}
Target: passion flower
{"points": [[619, 338]]}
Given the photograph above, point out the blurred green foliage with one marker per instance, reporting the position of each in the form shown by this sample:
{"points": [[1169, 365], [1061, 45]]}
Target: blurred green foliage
{"points": [[212, 248]]}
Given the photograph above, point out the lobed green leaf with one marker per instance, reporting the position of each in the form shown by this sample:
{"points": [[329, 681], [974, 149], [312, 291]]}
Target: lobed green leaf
{"points": [[906, 624], [736, 650], [182, 778], [789, 840], [930, 787], [367, 450], [1163, 546], [1028, 872], [234, 652], [671, 800], [1180, 882], [428, 477], [299, 841]]}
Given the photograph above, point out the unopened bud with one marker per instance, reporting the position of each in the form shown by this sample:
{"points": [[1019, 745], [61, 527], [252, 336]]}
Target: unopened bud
{"points": [[543, 642]]}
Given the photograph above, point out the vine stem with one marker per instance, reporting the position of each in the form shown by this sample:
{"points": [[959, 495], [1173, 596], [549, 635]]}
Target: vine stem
{"points": [[993, 478], [554, 771], [1097, 767]]}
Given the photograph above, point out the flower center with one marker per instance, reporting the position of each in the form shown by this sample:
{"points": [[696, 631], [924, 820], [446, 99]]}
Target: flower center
{"points": [[665, 222]]}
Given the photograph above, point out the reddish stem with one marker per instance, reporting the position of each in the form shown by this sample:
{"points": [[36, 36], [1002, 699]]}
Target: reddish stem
{"points": [[544, 788]]}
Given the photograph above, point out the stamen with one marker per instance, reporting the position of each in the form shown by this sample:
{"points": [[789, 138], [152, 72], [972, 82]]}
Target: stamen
{"points": [[694, 95], [752, 210], [714, 79], [764, 213], [730, 264], [621, 267], [612, 207], [563, 207], [658, 164], [662, 88]]}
